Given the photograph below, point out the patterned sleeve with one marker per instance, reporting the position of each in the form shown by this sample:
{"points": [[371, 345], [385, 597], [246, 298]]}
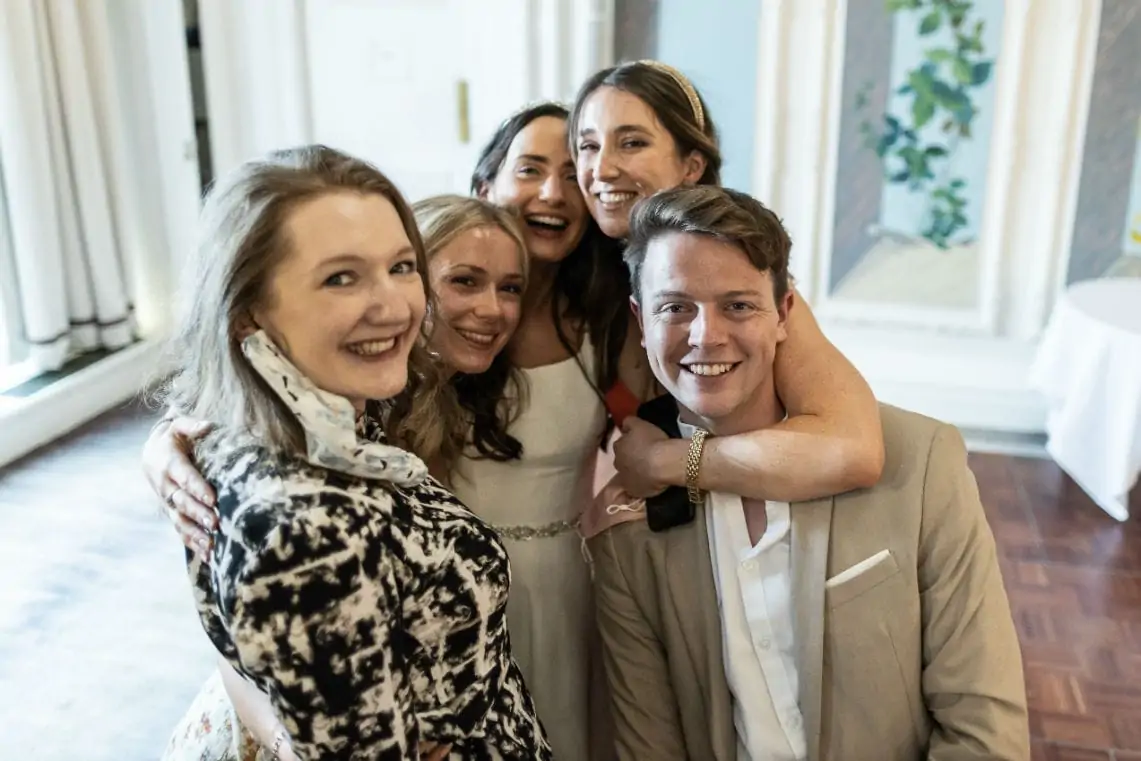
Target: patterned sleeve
{"points": [[314, 624]]}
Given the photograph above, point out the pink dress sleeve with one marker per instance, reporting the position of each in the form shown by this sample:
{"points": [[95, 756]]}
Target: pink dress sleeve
{"points": [[611, 504]]}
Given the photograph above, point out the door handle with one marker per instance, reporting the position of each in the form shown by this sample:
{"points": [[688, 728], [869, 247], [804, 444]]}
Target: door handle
{"points": [[463, 118]]}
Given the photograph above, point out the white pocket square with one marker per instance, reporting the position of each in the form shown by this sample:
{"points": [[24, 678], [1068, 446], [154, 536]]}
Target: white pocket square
{"points": [[862, 567]]}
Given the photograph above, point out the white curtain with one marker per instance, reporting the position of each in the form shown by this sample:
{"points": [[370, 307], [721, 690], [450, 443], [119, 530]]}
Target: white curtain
{"points": [[60, 158]]}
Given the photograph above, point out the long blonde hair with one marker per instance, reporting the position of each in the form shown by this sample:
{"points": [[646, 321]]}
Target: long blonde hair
{"points": [[444, 218], [242, 238], [469, 409]]}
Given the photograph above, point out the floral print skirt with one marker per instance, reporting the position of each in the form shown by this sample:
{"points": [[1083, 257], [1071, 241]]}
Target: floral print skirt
{"points": [[210, 730]]}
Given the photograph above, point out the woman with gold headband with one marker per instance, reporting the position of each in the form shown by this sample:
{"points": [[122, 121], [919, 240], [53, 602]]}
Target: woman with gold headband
{"points": [[641, 127], [635, 129]]}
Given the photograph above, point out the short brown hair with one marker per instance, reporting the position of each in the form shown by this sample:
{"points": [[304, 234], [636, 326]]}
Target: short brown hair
{"points": [[726, 215]]}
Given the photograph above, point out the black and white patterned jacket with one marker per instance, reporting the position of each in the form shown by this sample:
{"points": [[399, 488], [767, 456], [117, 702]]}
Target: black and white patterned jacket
{"points": [[372, 612]]}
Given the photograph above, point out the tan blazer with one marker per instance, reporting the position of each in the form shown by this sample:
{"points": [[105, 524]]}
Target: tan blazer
{"points": [[914, 656]]}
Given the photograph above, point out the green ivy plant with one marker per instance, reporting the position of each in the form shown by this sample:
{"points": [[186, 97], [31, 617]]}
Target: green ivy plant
{"points": [[940, 92]]}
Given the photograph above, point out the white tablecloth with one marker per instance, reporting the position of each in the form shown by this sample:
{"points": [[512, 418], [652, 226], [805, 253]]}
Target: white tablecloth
{"points": [[1088, 367]]}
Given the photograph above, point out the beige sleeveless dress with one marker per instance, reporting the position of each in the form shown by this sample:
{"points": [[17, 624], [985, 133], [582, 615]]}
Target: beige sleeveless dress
{"points": [[538, 500]]}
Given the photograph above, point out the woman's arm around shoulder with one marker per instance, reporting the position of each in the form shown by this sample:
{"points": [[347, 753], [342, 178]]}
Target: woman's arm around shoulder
{"points": [[831, 441], [175, 478]]}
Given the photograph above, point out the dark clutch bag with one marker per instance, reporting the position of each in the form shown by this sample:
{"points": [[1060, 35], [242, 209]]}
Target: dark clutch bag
{"points": [[672, 507]]}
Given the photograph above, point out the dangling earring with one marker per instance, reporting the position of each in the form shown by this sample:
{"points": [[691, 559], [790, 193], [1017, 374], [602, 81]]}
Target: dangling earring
{"points": [[427, 331]]}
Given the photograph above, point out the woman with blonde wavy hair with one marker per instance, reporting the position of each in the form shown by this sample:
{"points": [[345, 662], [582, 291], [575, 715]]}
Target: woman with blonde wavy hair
{"points": [[344, 582], [478, 269]]}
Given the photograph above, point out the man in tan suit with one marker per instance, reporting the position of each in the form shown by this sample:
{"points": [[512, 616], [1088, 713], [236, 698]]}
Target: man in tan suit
{"points": [[869, 625]]}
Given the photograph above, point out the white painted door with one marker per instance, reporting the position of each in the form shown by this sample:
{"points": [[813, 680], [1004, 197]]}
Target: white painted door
{"points": [[384, 78], [384, 83]]}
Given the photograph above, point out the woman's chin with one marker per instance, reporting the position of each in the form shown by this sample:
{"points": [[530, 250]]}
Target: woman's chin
{"points": [[615, 226], [374, 389], [472, 365], [548, 251]]}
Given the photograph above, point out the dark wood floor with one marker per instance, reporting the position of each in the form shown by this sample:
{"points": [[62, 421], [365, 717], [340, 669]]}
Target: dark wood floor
{"points": [[1073, 575], [1074, 579]]}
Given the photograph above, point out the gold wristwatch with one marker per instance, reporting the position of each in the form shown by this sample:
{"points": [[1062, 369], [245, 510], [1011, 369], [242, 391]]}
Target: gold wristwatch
{"points": [[693, 465]]}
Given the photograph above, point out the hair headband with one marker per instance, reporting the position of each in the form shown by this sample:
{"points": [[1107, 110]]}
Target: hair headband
{"points": [[686, 87]]}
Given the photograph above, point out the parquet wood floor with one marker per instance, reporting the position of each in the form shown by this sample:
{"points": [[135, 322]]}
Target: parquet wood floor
{"points": [[1073, 575]]}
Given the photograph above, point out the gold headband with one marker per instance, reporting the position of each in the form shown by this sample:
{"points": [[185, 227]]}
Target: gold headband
{"points": [[686, 87]]}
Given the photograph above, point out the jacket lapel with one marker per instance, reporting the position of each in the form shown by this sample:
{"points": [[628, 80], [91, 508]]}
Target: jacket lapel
{"points": [[811, 530], [694, 594]]}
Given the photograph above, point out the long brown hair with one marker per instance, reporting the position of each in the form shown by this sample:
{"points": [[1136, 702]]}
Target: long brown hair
{"points": [[473, 409], [591, 282], [673, 99], [684, 114], [242, 239]]}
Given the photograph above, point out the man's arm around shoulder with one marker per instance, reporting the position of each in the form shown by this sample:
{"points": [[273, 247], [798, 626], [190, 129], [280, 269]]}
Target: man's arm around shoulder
{"points": [[972, 665], [645, 709]]}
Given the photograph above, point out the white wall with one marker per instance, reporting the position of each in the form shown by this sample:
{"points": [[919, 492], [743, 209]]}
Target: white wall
{"points": [[718, 52]]}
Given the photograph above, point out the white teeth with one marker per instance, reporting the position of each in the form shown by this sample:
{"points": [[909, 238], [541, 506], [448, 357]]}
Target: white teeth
{"points": [[479, 339], [543, 219], [616, 198], [708, 369], [372, 348]]}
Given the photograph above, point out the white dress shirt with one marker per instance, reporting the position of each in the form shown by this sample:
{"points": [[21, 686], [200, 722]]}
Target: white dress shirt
{"points": [[753, 592]]}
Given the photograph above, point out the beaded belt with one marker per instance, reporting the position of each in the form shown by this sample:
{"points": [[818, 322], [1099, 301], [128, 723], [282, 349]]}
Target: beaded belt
{"points": [[524, 533]]}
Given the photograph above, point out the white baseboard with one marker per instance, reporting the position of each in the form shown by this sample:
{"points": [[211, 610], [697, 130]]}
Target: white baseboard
{"points": [[1032, 445], [977, 407], [30, 422], [972, 382]]}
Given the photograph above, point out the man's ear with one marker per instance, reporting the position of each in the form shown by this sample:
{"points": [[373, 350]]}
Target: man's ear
{"points": [[783, 310], [637, 310], [695, 165]]}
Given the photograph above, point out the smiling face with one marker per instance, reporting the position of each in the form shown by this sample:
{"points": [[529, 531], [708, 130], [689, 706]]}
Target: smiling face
{"points": [[711, 326], [625, 153], [477, 280], [346, 302], [538, 178]]}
